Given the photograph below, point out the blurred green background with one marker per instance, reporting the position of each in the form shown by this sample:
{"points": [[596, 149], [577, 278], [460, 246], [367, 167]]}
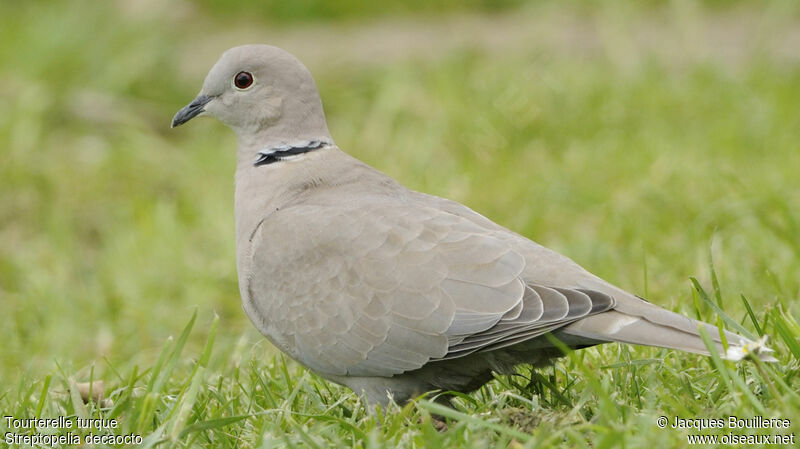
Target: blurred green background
{"points": [[635, 137]]}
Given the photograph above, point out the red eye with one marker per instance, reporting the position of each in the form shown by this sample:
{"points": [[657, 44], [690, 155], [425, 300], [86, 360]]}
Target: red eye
{"points": [[243, 80]]}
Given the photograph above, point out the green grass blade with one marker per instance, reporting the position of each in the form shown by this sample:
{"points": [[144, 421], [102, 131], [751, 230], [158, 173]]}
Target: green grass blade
{"points": [[211, 424], [155, 373], [177, 349], [342, 423], [154, 438], [212, 334], [77, 401], [789, 338], [720, 313], [448, 412], [186, 404], [43, 396], [729, 378], [752, 316]]}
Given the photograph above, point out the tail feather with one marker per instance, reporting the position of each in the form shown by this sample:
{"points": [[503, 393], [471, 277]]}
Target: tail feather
{"points": [[636, 321]]}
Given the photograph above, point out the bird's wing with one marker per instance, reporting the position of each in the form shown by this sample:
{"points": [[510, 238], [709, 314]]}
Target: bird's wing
{"points": [[632, 320], [371, 288]]}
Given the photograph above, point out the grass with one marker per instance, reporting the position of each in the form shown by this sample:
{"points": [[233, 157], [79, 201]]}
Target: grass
{"points": [[643, 165]]}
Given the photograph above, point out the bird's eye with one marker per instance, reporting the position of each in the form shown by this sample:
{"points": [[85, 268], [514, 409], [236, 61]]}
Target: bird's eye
{"points": [[243, 80]]}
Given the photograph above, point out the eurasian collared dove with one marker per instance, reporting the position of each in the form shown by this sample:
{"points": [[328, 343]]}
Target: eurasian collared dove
{"points": [[389, 291]]}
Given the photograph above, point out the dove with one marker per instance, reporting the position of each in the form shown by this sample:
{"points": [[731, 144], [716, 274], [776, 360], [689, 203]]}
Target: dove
{"points": [[385, 290]]}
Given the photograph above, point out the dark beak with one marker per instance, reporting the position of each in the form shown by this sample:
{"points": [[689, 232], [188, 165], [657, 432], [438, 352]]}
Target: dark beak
{"points": [[191, 110]]}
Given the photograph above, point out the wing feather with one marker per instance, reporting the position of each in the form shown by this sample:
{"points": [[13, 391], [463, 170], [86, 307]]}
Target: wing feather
{"points": [[380, 289], [549, 309]]}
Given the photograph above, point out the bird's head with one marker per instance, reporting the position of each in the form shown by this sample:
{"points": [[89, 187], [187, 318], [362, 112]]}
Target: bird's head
{"points": [[262, 93]]}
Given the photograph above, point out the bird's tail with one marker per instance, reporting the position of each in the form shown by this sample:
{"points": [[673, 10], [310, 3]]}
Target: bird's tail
{"points": [[636, 321]]}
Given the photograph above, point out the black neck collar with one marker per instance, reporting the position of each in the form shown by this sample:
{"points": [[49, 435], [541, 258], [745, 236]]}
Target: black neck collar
{"points": [[284, 151]]}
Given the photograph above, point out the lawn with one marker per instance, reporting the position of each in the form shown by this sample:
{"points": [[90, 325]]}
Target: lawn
{"points": [[651, 142]]}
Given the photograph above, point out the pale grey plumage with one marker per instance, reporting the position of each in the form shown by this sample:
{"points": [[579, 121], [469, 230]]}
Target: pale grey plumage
{"points": [[384, 289]]}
